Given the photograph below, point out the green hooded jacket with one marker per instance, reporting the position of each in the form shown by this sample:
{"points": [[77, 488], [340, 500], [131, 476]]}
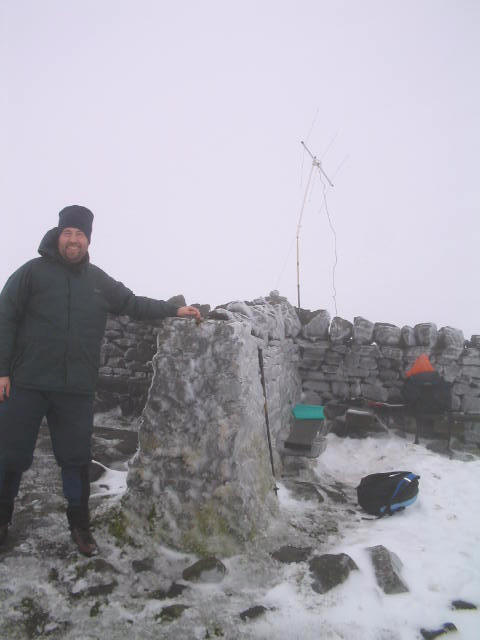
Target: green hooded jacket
{"points": [[53, 316]]}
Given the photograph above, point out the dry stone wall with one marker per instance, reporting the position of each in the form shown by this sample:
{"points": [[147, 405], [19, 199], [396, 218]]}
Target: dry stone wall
{"points": [[340, 360], [335, 359], [125, 370], [307, 356]]}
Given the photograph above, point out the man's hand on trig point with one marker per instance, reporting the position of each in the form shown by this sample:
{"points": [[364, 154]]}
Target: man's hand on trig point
{"points": [[189, 312]]}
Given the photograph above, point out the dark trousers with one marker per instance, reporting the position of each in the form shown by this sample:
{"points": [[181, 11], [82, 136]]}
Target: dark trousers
{"points": [[70, 421]]}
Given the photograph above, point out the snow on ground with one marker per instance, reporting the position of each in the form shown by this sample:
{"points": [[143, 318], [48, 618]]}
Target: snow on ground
{"points": [[437, 539], [111, 483]]}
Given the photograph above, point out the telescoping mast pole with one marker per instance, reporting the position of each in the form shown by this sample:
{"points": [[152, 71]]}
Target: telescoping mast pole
{"points": [[315, 163]]}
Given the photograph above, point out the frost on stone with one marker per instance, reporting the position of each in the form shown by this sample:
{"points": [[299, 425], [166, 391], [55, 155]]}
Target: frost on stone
{"points": [[203, 463]]}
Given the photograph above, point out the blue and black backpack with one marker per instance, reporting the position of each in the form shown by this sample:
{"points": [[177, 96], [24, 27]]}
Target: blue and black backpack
{"points": [[386, 493]]}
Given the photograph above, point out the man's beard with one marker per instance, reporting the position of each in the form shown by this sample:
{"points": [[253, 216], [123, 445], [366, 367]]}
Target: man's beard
{"points": [[78, 256]]}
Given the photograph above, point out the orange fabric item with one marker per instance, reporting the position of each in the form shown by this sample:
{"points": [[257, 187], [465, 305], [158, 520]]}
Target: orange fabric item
{"points": [[421, 364]]}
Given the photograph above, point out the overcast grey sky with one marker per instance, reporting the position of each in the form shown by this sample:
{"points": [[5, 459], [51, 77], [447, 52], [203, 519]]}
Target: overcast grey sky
{"points": [[179, 125]]}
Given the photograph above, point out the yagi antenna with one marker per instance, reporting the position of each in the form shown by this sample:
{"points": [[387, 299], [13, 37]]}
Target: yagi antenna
{"points": [[316, 164]]}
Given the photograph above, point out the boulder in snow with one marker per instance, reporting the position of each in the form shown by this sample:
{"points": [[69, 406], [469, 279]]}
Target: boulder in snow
{"points": [[330, 570]]}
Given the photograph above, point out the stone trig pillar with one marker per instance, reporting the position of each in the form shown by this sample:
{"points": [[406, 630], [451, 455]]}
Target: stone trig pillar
{"points": [[201, 479]]}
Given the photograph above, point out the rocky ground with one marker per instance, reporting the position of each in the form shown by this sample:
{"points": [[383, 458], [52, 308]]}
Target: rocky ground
{"points": [[136, 589]]}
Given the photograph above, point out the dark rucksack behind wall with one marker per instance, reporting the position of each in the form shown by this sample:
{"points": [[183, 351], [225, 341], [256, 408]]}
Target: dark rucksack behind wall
{"points": [[427, 392]]}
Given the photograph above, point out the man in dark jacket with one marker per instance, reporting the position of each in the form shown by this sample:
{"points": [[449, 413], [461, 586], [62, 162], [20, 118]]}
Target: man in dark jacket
{"points": [[53, 312]]}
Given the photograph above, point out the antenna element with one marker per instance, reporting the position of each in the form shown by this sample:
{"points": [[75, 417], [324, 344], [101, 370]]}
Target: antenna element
{"points": [[315, 164]]}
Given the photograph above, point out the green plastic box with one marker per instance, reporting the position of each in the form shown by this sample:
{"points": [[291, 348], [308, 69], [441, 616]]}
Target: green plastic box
{"points": [[308, 412]]}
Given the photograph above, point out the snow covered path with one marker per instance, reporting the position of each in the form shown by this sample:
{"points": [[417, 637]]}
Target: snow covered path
{"points": [[47, 590]]}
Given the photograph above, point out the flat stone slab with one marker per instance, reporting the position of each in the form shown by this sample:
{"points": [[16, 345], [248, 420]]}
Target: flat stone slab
{"points": [[463, 605], [253, 612], [431, 634], [289, 554], [205, 570], [146, 564], [303, 490], [172, 612], [387, 566]]}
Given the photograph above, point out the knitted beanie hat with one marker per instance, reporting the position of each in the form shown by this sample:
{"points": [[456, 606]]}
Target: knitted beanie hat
{"points": [[77, 217]]}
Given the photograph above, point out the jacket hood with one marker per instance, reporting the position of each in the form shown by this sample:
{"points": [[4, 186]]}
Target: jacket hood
{"points": [[48, 245], [49, 249]]}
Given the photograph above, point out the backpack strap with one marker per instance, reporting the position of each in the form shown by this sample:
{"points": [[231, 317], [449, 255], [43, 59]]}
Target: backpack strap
{"points": [[407, 479]]}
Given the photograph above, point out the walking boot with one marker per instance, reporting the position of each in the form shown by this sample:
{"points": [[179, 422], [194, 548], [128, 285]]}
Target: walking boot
{"points": [[79, 521]]}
